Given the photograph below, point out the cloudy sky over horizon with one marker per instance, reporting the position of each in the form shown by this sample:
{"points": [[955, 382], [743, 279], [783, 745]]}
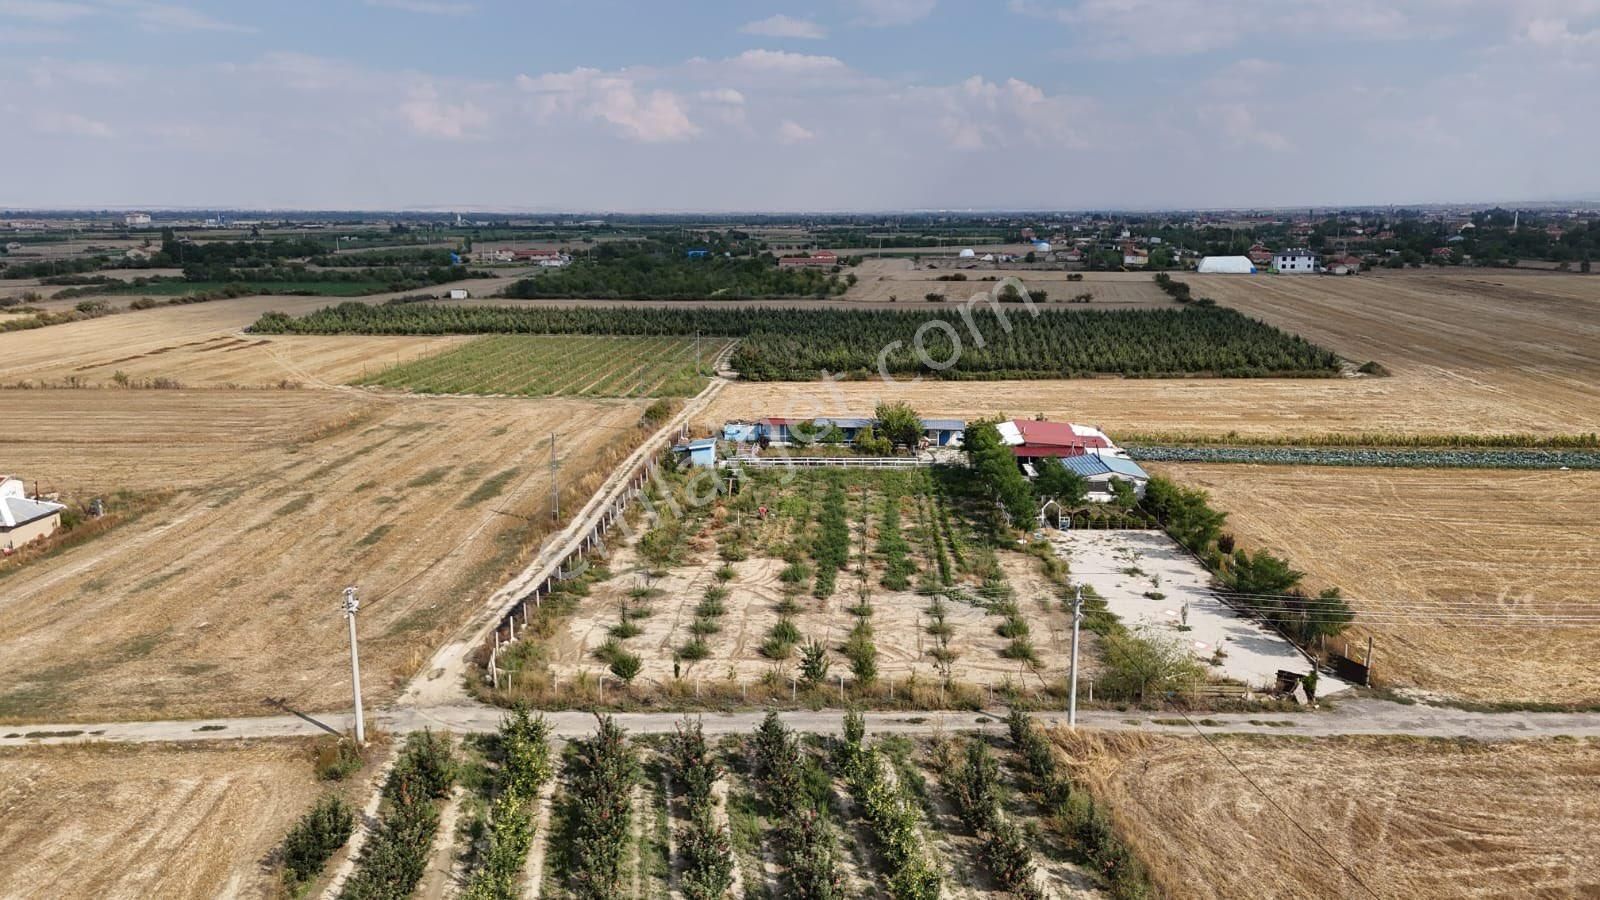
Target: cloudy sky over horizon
{"points": [[833, 105]]}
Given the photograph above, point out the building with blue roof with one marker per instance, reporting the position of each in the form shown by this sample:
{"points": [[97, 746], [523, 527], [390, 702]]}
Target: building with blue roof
{"points": [[1099, 471], [701, 453]]}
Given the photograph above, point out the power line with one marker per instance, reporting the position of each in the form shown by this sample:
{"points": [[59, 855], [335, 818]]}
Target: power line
{"points": [[1274, 803]]}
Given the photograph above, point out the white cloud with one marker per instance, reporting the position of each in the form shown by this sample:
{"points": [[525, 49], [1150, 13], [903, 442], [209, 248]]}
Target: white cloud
{"points": [[792, 132], [426, 7], [9, 35], [786, 62], [725, 96], [979, 114], [1244, 77], [1558, 34], [881, 13], [431, 116], [71, 124], [648, 116], [1239, 125], [1124, 28], [782, 26], [44, 10], [163, 17]]}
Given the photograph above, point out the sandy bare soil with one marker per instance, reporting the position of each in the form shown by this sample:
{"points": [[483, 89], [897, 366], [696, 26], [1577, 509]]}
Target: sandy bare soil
{"points": [[181, 820], [226, 595], [1413, 541], [1410, 818]]}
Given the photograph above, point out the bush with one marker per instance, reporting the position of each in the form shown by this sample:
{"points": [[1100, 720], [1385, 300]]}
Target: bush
{"points": [[337, 759], [658, 412], [1140, 665], [597, 813], [814, 663], [626, 666], [393, 860], [694, 651], [316, 837]]}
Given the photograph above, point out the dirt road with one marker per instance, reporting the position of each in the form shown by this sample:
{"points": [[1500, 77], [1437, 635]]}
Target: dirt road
{"points": [[1349, 717]]}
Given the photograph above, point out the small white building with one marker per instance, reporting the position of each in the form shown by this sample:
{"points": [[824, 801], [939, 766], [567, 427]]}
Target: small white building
{"points": [[24, 519], [459, 294], [1296, 262], [1226, 265], [136, 220]]}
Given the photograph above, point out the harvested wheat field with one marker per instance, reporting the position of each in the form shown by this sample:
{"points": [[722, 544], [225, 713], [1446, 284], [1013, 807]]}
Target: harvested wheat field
{"points": [[880, 280], [1404, 540], [1410, 818], [126, 821], [1263, 407], [226, 595], [200, 345], [88, 441]]}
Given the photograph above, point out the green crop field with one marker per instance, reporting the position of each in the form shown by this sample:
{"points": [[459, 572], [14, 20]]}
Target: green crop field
{"points": [[547, 366]]}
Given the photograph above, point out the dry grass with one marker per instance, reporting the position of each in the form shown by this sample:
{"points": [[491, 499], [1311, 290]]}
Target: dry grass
{"points": [[1516, 540], [226, 596], [126, 821], [1411, 818]]}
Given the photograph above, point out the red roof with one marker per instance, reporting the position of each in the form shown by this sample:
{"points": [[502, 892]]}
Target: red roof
{"points": [[1054, 434], [1027, 452]]}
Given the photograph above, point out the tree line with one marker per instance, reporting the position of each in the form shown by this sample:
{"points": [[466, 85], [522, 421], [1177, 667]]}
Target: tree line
{"points": [[798, 344]]}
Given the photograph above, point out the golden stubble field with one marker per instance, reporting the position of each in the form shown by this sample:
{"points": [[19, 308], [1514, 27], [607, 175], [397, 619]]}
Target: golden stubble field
{"points": [[155, 820], [879, 280], [1408, 541], [1497, 353], [227, 594], [201, 345], [1410, 817]]}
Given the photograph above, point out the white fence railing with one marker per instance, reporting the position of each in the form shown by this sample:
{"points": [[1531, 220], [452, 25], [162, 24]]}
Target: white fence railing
{"points": [[818, 462]]}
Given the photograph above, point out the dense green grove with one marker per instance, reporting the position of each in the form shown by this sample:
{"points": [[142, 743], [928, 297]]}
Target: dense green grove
{"points": [[799, 344]]}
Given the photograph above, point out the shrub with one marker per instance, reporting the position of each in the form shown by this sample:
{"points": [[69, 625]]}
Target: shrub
{"points": [[598, 812], [626, 666], [813, 663], [693, 651], [315, 838], [337, 759], [393, 860], [785, 630]]}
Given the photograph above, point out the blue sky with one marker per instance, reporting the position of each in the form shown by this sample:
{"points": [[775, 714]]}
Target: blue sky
{"points": [[839, 105]]}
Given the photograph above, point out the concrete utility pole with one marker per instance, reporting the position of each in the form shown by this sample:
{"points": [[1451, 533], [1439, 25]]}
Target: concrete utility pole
{"points": [[555, 485], [1072, 689], [351, 604]]}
